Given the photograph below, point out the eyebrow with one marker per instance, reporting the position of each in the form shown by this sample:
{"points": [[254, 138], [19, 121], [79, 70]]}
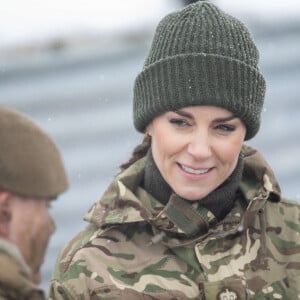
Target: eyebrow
{"points": [[190, 116], [184, 114]]}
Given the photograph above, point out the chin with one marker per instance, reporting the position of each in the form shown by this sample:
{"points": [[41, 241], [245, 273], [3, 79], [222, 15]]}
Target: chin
{"points": [[191, 196]]}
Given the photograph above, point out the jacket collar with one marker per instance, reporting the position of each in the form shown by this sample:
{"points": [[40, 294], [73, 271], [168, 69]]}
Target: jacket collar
{"points": [[15, 275]]}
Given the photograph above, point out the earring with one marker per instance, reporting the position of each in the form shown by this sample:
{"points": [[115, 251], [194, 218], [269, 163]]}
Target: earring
{"points": [[147, 137]]}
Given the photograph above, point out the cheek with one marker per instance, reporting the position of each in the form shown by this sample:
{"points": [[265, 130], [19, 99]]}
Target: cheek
{"points": [[42, 230], [228, 152], [43, 225], [164, 138], [47, 223], [164, 145]]}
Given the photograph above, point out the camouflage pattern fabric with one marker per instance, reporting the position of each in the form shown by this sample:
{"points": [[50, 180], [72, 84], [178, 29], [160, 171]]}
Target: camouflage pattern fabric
{"points": [[15, 281], [132, 250]]}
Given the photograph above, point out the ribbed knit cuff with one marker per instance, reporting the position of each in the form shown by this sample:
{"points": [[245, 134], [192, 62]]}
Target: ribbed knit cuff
{"points": [[199, 79]]}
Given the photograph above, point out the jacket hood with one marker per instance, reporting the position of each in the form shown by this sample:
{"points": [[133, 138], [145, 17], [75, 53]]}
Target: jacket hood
{"points": [[258, 176], [126, 202]]}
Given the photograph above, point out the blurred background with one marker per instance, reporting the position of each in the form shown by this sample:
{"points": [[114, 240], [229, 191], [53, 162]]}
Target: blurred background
{"points": [[70, 65]]}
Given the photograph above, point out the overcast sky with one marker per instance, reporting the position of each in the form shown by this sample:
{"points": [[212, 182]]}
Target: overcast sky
{"points": [[30, 20]]}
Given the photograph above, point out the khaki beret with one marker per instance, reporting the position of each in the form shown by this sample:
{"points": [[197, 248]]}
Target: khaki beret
{"points": [[30, 162]]}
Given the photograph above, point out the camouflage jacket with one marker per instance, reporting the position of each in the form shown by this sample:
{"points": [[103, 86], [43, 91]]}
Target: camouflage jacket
{"points": [[15, 281], [132, 250]]}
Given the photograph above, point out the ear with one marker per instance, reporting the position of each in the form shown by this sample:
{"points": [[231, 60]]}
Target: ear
{"points": [[149, 129], [5, 213]]}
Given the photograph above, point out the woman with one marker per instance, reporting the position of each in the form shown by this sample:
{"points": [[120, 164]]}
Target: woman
{"points": [[194, 214]]}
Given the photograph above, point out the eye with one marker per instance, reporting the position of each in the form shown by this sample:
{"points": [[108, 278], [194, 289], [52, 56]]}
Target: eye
{"points": [[225, 127], [179, 122]]}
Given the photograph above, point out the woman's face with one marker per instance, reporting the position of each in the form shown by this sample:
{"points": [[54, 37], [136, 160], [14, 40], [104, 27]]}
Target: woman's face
{"points": [[196, 148]]}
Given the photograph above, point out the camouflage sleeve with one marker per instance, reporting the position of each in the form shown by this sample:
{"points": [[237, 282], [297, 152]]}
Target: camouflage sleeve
{"points": [[78, 281], [67, 280], [86, 277]]}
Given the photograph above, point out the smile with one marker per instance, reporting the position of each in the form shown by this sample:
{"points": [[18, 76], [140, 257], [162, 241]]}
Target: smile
{"points": [[194, 171]]}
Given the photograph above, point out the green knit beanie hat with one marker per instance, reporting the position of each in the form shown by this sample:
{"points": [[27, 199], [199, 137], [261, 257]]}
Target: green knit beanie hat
{"points": [[200, 56]]}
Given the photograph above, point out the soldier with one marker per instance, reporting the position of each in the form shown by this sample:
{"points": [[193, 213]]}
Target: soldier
{"points": [[195, 213], [32, 175]]}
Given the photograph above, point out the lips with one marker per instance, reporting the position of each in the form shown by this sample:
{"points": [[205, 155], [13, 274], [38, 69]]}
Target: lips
{"points": [[194, 171]]}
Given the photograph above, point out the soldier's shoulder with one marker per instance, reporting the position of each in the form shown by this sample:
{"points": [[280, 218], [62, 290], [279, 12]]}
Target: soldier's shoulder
{"points": [[289, 205], [285, 207], [290, 209], [285, 214]]}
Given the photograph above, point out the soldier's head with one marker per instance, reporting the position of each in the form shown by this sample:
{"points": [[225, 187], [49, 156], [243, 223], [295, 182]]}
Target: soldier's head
{"points": [[32, 175]]}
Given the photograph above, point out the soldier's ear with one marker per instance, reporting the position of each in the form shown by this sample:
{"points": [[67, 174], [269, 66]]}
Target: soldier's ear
{"points": [[5, 213]]}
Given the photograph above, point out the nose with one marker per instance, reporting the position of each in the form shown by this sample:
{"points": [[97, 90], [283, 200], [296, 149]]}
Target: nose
{"points": [[200, 145]]}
